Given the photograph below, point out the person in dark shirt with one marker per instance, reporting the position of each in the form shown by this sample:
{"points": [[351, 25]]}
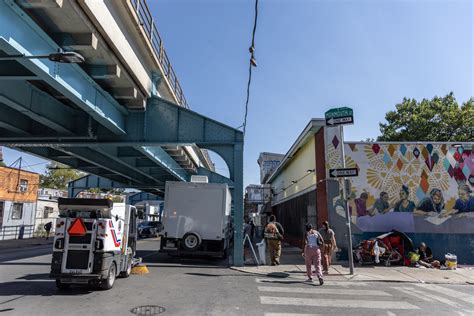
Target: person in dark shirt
{"points": [[465, 203], [432, 205], [404, 205], [426, 257]]}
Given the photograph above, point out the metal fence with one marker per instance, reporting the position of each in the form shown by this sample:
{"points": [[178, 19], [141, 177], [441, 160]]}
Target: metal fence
{"points": [[16, 232], [148, 23]]}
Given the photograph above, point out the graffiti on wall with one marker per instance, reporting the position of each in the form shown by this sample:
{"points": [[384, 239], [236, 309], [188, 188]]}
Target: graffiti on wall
{"points": [[421, 187]]}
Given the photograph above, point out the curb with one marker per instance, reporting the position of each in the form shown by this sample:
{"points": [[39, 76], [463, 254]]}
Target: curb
{"points": [[360, 281]]}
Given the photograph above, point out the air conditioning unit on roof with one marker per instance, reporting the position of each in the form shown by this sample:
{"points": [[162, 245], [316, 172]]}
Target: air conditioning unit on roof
{"points": [[199, 179]]}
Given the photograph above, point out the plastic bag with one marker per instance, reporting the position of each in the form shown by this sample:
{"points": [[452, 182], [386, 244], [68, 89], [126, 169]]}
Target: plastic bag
{"points": [[261, 252]]}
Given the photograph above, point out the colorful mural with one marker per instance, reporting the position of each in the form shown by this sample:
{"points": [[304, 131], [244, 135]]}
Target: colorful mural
{"points": [[422, 187]]}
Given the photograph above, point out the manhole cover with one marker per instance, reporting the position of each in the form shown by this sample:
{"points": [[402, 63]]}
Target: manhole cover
{"points": [[147, 310]]}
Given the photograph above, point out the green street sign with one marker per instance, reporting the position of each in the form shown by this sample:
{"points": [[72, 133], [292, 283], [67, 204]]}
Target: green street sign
{"points": [[339, 116]]}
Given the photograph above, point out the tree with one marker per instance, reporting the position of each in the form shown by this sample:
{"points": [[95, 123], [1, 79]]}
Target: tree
{"points": [[439, 119], [58, 175]]}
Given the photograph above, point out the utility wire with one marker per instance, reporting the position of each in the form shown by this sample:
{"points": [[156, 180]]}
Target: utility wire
{"points": [[252, 63]]}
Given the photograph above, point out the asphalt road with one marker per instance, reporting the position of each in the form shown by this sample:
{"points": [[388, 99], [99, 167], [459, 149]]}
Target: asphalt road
{"points": [[207, 287]]}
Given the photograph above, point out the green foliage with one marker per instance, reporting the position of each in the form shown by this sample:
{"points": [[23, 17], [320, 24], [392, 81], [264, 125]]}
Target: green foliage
{"points": [[2, 164], [439, 119], [58, 176]]}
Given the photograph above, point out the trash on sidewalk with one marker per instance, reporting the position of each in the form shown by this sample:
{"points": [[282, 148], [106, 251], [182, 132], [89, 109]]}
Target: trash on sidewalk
{"points": [[261, 252], [389, 248], [451, 261]]}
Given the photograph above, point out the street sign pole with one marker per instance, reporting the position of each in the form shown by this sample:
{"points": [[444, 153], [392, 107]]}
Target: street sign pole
{"points": [[346, 202]]}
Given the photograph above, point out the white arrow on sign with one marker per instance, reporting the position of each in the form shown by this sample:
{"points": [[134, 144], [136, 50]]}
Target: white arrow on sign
{"points": [[349, 172], [340, 120]]}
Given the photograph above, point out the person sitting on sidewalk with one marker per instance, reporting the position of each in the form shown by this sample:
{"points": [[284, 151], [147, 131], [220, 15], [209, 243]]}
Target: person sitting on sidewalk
{"points": [[312, 254], [274, 235], [426, 257]]}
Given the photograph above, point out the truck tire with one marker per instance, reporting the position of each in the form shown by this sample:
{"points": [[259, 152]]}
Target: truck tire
{"points": [[108, 283], [191, 241], [126, 273], [62, 286]]}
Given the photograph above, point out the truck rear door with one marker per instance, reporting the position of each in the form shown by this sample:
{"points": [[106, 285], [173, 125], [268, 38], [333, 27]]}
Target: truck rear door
{"points": [[79, 245]]}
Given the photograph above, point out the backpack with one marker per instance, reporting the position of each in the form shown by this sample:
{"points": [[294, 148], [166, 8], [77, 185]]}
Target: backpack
{"points": [[271, 232]]}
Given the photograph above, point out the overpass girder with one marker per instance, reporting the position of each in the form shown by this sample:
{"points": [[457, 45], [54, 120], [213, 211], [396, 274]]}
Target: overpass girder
{"points": [[19, 34]]}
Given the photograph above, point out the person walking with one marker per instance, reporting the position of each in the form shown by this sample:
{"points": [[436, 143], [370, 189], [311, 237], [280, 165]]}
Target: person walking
{"points": [[274, 235], [47, 228], [329, 246], [312, 253]]}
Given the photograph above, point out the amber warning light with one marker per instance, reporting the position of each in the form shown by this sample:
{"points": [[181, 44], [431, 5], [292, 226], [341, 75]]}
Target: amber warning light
{"points": [[77, 228]]}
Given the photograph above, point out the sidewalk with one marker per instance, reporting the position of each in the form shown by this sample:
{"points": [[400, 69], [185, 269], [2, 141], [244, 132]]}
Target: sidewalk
{"points": [[25, 243], [292, 266]]}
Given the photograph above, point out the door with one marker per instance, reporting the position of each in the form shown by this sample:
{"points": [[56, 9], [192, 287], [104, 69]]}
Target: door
{"points": [[79, 254]]}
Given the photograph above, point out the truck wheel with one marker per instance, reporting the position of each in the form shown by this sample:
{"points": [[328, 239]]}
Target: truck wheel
{"points": [[191, 241], [108, 283], [126, 273], [62, 286]]}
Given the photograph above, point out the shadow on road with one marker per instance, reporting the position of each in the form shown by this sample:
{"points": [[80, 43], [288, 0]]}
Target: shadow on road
{"points": [[6, 310], [25, 264], [36, 276], [40, 288], [155, 257]]}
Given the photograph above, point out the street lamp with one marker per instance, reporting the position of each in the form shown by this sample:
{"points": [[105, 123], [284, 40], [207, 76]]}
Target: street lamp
{"points": [[59, 57]]}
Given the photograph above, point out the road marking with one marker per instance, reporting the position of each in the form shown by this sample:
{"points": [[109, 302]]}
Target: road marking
{"points": [[432, 296], [326, 283], [448, 292], [289, 314], [271, 300], [389, 313], [410, 290], [321, 290]]}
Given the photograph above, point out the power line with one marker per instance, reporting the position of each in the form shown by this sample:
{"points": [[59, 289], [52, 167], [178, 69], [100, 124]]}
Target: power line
{"points": [[252, 63]]}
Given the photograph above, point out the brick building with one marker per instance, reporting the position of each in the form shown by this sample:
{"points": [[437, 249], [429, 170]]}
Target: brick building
{"points": [[18, 196]]}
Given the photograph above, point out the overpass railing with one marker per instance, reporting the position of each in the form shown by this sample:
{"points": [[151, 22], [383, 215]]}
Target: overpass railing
{"points": [[148, 23]]}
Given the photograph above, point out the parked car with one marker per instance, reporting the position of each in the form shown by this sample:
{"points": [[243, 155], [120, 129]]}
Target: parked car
{"points": [[149, 229]]}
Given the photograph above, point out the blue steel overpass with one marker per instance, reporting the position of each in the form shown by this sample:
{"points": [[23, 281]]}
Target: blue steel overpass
{"points": [[121, 116]]}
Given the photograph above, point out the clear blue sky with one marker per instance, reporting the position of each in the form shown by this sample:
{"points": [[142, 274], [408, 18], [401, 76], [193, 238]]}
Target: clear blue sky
{"points": [[313, 55]]}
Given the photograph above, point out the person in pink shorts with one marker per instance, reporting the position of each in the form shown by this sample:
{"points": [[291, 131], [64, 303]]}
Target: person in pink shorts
{"points": [[312, 253]]}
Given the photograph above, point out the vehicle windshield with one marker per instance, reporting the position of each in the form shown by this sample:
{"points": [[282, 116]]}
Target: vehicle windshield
{"points": [[83, 214]]}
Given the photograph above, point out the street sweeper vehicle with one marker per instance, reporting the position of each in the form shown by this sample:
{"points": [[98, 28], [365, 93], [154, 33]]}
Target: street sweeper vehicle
{"points": [[196, 219], [94, 242]]}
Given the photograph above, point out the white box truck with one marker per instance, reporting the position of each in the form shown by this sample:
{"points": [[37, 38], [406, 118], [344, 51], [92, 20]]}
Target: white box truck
{"points": [[196, 219]]}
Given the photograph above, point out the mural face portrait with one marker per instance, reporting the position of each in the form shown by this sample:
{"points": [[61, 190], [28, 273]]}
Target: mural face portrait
{"points": [[403, 195], [437, 198], [464, 195]]}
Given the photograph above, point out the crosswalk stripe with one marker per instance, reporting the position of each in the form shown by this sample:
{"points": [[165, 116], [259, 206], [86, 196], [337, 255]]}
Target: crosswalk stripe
{"points": [[432, 296], [326, 283], [321, 290], [290, 314], [409, 290], [270, 300], [448, 292]]}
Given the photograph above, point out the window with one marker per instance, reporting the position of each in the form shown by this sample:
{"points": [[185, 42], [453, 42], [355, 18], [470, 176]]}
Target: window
{"points": [[47, 210], [17, 211], [23, 187]]}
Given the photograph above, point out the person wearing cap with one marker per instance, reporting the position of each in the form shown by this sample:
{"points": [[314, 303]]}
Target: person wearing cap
{"points": [[329, 245]]}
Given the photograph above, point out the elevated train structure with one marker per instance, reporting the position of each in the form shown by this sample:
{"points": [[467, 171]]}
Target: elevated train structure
{"points": [[120, 115]]}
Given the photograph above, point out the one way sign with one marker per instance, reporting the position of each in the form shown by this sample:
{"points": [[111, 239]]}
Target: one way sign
{"points": [[346, 172]]}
